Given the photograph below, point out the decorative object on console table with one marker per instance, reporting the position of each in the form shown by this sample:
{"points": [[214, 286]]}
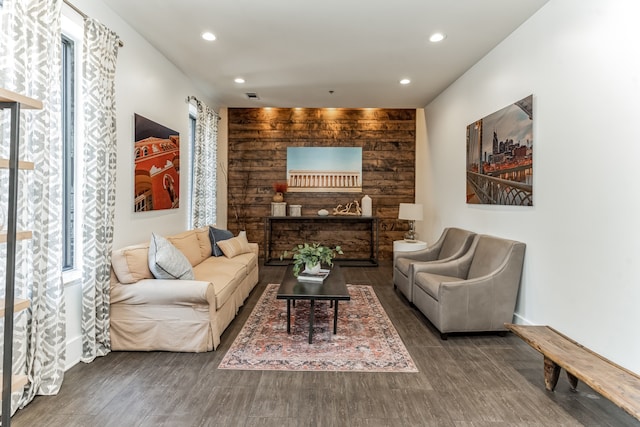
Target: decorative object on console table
{"points": [[311, 256], [366, 206], [295, 210], [280, 188], [351, 208], [411, 212], [278, 208]]}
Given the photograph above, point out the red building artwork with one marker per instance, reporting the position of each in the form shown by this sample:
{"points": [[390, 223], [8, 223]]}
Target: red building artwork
{"points": [[157, 166]]}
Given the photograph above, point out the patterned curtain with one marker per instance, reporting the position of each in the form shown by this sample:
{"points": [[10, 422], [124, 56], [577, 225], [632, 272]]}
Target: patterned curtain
{"points": [[205, 157], [30, 50], [98, 193]]}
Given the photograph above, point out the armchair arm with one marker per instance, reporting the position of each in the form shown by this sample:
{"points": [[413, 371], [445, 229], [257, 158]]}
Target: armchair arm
{"points": [[428, 254], [482, 304], [164, 292], [454, 268]]}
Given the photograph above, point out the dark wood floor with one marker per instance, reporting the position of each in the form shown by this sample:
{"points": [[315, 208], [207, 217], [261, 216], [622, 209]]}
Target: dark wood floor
{"points": [[481, 380]]}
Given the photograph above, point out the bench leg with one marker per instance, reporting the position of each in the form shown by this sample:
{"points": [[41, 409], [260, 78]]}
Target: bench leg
{"points": [[551, 374], [573, 381]]}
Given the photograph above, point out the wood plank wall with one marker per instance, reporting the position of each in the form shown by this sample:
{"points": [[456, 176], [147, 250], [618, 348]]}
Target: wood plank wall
{"points": [[258, 140]]}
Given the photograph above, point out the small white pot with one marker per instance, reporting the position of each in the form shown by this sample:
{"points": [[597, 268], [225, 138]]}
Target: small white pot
{"points": [[312, 269]]}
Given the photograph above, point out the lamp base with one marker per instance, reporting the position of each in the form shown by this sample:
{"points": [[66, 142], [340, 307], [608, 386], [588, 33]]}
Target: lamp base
{"points": [[411, 236]]}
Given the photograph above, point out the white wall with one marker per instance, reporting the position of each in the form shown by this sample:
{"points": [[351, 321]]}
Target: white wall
{"points": [[149, 85], [579, 59]]}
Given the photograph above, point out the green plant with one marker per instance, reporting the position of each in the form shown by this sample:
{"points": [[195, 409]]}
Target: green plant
{"points": [[311, 254]]}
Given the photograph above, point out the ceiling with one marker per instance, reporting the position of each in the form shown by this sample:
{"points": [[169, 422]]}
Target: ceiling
{"points": [[324, 53]]}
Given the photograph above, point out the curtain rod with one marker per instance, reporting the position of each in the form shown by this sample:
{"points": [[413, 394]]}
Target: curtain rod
{"points": [[194, 99], [84, 16]]}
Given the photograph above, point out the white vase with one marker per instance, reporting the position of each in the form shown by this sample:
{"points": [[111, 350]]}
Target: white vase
{"points": [[312, 269], [366, 206]]}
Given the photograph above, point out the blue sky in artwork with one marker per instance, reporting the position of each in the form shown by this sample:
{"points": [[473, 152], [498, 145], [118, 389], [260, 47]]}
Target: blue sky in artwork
{"points": [[324, 158], [509, 123]]}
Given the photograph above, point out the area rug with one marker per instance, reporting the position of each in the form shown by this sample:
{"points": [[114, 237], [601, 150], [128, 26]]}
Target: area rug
{"points": [[366, 340]]}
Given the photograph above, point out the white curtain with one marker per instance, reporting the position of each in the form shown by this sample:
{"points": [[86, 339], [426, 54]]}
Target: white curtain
{"points": [[30, 50], [98, 193], [203, 193]]}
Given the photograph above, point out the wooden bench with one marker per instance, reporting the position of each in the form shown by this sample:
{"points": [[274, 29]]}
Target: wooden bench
{"points": [[619, 385]]}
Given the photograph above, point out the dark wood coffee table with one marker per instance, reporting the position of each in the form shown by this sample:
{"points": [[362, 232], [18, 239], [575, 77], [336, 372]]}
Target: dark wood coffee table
{"points": [[333, 289]]}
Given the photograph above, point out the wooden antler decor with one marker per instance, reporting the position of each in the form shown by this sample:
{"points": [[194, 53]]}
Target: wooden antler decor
{"points": [[352, 208]]}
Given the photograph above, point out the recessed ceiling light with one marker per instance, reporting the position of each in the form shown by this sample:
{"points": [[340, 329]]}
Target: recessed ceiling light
{"points": [[436, 37], [239, 80], [405, 81], [208, 36]]}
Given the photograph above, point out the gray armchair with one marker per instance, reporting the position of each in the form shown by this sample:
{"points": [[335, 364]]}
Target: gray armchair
{"points": [[474, 293], [452, 244]]}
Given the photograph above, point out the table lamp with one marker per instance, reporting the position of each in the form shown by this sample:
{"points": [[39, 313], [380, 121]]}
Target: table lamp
{"points": [[411, 212]]}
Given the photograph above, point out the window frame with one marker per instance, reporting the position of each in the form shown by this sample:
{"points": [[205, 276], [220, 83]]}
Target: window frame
{"points": [[69, 165], [193, 120]]}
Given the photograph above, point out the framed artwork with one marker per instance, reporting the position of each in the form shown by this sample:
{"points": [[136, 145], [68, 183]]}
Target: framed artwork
{"points": [[324, 169], [500, 156], [157, 166]]}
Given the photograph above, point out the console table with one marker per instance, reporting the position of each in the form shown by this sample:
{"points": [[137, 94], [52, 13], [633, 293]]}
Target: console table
{"points": [[339, 223]]}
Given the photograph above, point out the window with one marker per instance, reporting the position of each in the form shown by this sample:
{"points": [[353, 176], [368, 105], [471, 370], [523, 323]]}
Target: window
{"points": [[192, 146], [68, 161]]}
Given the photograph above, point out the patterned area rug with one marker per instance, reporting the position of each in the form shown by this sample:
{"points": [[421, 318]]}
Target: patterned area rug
{"points": [[366, 340]]}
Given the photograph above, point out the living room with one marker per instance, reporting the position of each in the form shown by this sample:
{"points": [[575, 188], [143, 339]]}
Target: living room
{"points": [[575, 57]]}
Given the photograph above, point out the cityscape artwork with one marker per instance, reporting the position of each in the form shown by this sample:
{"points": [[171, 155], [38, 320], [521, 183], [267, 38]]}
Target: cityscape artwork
{"points": [[500, 156], [157, 166]]}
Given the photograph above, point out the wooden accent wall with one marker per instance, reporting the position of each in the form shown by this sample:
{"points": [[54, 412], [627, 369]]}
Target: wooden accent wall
{"points": [[258, 140]]}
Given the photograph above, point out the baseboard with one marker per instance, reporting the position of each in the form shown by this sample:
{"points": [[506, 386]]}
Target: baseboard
{"points": [[519, 320], [73, 353]]}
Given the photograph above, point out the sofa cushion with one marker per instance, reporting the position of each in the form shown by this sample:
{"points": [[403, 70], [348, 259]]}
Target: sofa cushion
{"points": [[131, 264], [235, 246], [216, 236], [203, 241], [187, 242], [166, 261], [225, 277], [249, 260]]}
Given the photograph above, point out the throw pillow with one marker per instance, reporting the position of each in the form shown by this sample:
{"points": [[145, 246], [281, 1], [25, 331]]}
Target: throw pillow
{"points": [[166, 261], [235, 246], [217, 235]]}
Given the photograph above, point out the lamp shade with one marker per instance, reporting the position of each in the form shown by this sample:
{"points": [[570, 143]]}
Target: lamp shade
{"points": [[410, 211]]}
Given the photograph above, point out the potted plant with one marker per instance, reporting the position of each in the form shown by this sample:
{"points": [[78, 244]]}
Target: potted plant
{"points": [[311, 256]]}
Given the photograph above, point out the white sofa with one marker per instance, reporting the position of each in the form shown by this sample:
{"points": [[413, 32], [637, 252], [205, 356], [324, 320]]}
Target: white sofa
{"points": [[179, 315]]}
